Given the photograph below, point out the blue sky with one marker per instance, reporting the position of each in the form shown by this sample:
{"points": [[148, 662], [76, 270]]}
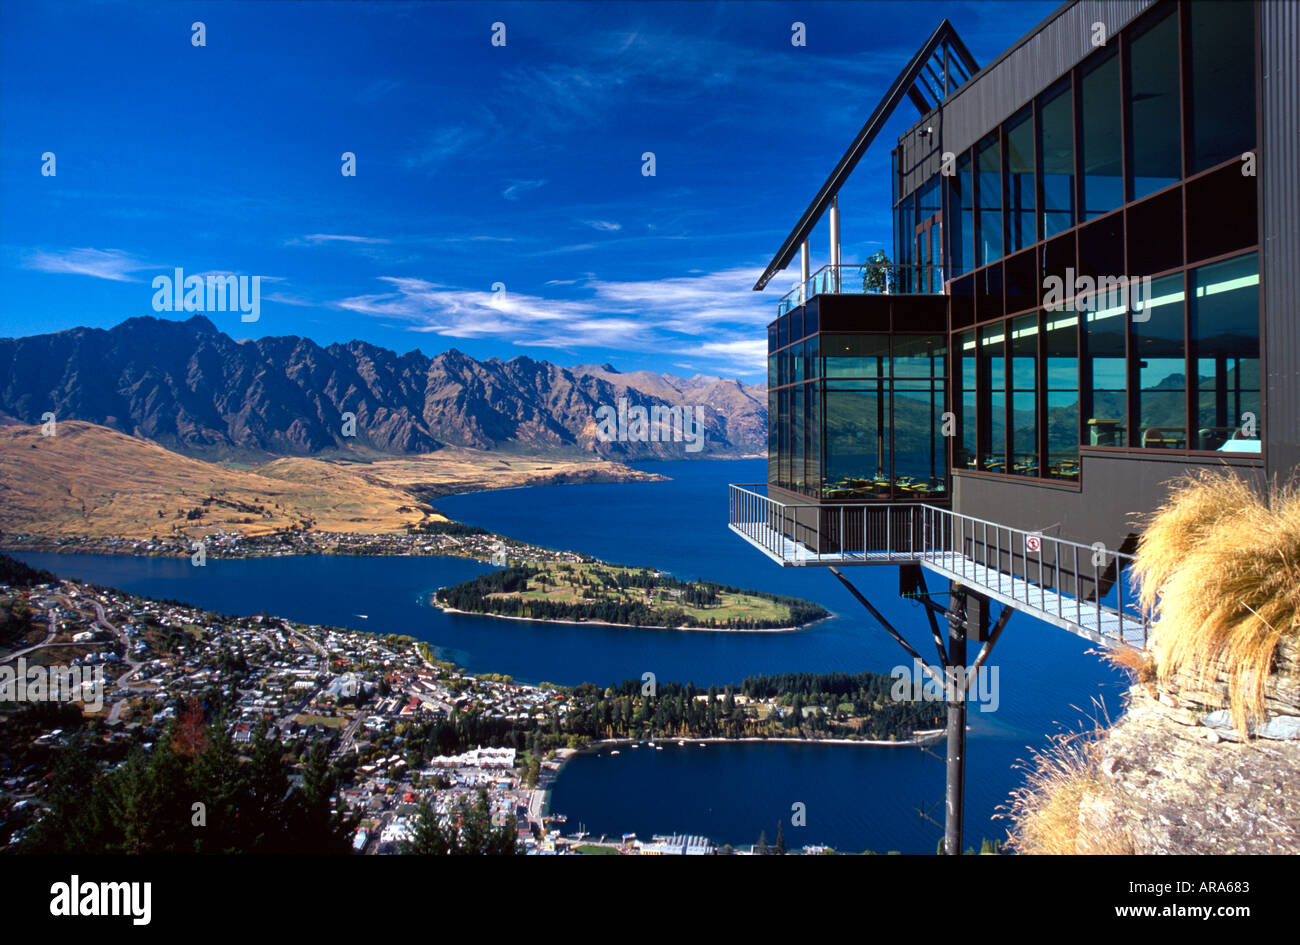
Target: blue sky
{"points": [[475, 165]]}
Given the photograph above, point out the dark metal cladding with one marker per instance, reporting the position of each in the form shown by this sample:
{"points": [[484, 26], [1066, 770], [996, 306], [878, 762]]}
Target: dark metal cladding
{"points": [[1279, 211], [997, 91]]}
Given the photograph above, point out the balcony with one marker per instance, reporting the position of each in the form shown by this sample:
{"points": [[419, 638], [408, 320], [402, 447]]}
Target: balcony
{"points": [[1069, 585], [865, 279]]}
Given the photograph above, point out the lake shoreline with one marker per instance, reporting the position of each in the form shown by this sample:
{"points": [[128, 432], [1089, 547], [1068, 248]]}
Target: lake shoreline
{"points": [[433, 602], [924, 737]]}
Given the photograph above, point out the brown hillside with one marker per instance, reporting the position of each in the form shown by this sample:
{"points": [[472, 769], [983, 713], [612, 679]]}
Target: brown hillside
{"points": [[90, 481]]}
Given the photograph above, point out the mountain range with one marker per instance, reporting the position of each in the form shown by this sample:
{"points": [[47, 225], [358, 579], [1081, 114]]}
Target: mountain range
{"points": [[192, 388]]}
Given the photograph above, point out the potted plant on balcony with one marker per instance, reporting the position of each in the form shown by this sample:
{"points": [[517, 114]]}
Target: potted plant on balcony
{"points": [[877, 273]]}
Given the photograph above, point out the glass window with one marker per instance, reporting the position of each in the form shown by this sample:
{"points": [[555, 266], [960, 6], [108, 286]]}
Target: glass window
{"points": [[811, 367], [929, 205], [963, 401], [1222, 78], [991, 400], [1225, 349], [783, 437], [1020, 276], [904, 232], [773, 444], [1024, 395], [857, 439], [962, 252], [928, 201], [920, 463], [918, 355], [1159, 363], [989, 164], [1103, 377], [813, 453], [856, 355], [1103, 171], [796, 363], [1021, 213], [1056, 154], [1222, 213], [797, 438], [1060, 348], [1154, 113]]}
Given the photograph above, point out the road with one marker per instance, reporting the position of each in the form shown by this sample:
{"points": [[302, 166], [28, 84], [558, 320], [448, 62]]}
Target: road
{"points": [[134, 665], [49, 637]]}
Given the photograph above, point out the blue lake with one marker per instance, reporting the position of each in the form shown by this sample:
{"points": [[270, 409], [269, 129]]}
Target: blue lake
{"points": [[857, 797]]}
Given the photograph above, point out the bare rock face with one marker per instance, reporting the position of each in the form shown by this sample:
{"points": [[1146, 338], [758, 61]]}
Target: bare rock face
{"points": [[1175, 776], [1165, 787], [190, 387]]}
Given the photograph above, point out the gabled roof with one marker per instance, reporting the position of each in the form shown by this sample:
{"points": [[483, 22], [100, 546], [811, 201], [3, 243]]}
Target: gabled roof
{"points": [[941, 65]]}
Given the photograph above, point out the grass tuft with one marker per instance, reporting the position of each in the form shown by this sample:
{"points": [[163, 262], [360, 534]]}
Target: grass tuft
{"points": [[1045, 811], [1219, 565]]}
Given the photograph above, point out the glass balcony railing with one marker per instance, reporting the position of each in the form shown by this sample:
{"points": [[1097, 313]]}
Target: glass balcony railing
{"points": [[865, 279]]}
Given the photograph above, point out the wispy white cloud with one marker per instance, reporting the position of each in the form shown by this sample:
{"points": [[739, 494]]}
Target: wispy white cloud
{"points": [[476, 239], [285, 299], [226, 273], [443, 144], [605, 226], [318, 238], [377, 90], [746, 356], [111, 264], [681, 316], [517, 188]]}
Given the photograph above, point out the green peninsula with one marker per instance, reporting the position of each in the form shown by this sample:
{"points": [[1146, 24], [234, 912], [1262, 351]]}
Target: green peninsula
{"points": [[623, 596]]}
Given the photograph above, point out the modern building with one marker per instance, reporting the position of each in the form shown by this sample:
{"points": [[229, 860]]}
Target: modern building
{"points": [[1094, 290], [1094, 281]]}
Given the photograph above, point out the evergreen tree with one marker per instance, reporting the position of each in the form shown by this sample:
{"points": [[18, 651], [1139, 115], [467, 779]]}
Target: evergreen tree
{"points": [[429, 838]]}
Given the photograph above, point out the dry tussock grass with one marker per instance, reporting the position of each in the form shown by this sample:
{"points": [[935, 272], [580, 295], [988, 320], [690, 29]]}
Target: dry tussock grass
{"points": [[1140, 664], [1045, 810], [1219, 565]]}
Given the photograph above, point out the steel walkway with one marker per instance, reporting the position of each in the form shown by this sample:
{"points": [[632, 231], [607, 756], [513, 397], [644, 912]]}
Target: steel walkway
{"points": [[1083, 589]]}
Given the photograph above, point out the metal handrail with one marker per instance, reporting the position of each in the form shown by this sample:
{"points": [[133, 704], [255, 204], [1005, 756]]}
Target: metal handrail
{"points": [[798, 532], [863, 279]]}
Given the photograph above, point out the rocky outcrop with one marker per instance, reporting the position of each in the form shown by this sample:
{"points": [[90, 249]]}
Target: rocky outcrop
{"points": [[1173, 775], [1165, 783]]}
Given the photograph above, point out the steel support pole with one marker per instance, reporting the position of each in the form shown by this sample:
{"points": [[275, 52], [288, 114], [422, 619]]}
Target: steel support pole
{"points": [[955, 795], [835, 244]]}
